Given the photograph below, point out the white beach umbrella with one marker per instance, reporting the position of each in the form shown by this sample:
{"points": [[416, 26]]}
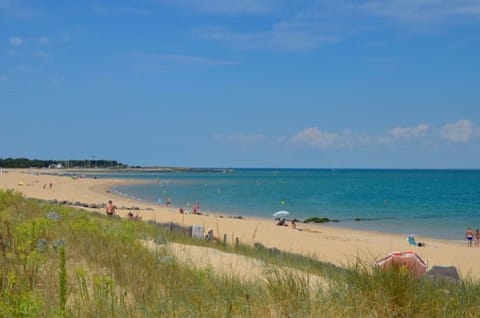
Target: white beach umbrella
{"points": [[279, 214]]}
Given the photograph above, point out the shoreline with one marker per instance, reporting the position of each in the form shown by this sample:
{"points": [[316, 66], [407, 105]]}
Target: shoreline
{"points": [[367, 224], [334, 244]]}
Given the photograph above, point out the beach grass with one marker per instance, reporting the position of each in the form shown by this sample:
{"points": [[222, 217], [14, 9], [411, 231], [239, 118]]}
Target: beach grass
{"points": [[63, 262]]}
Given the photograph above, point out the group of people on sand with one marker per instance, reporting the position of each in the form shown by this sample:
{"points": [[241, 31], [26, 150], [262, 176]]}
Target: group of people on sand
{"points": [[195, 208], [283, 222], [111, 209], [472, 237]]}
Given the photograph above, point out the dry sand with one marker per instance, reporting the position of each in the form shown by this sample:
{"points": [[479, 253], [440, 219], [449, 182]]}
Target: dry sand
{"points": [[331, 244]]}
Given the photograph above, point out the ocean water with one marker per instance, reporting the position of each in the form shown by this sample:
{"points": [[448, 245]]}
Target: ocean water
{"points": [[427, 203]]}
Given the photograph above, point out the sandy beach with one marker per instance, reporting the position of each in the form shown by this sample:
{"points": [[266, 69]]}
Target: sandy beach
{"points": [[335, 245]]}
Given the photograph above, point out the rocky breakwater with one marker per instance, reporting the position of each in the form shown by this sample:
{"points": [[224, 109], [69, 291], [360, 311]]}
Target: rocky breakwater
{"points": [[94, 205]]}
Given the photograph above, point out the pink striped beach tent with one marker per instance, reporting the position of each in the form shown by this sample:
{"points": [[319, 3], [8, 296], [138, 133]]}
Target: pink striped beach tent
{"points": [[411, 261]]}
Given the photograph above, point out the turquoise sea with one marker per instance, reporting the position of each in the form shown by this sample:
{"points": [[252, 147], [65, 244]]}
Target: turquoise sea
{"points": [[428, 203]]}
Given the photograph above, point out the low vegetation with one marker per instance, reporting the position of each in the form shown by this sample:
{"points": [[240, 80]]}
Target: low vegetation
{"points": [[58, 261]]}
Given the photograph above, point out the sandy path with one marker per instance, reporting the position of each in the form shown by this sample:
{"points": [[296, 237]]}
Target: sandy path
{"points": [[232, 265]]}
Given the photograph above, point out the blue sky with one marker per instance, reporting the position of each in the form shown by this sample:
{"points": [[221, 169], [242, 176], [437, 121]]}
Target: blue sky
{"points": [[219, 83]]}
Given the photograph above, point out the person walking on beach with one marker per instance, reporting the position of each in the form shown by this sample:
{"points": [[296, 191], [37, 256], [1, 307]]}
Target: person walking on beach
{"points": [[477, 237], [469, 236], [110, 208]]}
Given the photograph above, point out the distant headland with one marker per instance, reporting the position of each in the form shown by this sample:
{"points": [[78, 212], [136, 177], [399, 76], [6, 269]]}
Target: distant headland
{"points": [[95, 165]]}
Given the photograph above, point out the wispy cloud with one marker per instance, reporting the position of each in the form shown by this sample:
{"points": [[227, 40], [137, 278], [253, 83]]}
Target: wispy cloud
{"points": [[316, 138], [418, 12], [469, 9], [41, 54], [309, 25], [43, 40], [35, 46], [16, 40], [282, 36], [461, 131], [410, 132], [17, 9], [224, 6], [183, 59], [100, 9]]}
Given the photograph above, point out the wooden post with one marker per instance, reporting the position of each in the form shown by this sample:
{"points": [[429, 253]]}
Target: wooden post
{"points": [[225, 239], [237, 241]]}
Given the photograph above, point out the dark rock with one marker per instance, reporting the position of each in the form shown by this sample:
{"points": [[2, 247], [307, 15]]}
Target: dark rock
{"points": [[317, 220]]}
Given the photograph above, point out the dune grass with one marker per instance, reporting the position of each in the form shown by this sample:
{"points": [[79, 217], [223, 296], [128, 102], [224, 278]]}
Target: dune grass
{"points": [[62, 262]]}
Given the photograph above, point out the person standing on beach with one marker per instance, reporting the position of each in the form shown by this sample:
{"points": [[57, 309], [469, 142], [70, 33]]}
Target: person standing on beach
{"points": [[110, 208], [477, 237], [469, 236], [196, 207]]}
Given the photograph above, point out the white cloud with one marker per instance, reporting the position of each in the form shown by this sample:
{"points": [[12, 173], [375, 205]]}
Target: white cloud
{"points": [[316, 138], [410, 132], [461, 131], [16, 40], [41, 54]]}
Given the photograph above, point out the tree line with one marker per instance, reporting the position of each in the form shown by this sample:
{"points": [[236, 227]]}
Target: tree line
{"points": [[36, 163]]}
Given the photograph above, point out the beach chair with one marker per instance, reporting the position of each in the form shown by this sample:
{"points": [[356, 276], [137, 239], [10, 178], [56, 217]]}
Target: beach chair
{"points": [[411, 240]]}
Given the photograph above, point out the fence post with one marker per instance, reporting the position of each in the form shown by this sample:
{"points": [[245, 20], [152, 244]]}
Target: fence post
{"points": [[225, 239], [237, 241]]}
